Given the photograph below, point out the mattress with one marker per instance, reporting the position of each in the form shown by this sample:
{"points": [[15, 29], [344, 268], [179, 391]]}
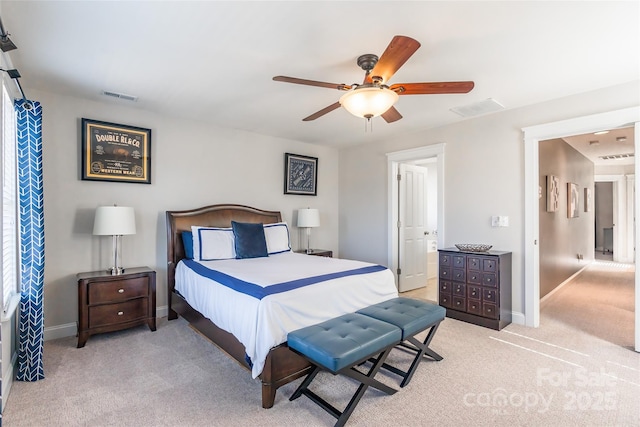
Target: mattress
{"points": [[260, 300]]}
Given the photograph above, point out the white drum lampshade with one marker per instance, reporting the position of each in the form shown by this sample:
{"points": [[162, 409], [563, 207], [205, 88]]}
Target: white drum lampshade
{"points": [[308, 218], [114, 221]]}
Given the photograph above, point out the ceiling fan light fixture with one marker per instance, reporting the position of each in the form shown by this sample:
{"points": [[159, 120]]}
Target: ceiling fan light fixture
{"points": [[368, 102]]}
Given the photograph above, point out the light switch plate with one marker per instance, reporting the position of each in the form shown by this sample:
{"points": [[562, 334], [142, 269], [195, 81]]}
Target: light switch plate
{"points": [[499, 221]]}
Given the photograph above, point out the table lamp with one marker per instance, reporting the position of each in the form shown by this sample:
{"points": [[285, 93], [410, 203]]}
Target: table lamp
{"points": [[114, 221], [308, 218]]}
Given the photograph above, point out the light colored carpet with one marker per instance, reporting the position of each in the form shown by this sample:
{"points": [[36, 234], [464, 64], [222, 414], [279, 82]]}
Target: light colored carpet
{"points": [[600, 301], [556, 375]]}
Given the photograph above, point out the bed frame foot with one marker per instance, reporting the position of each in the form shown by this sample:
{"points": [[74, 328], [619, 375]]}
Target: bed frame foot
{"points": [[268, 395]]}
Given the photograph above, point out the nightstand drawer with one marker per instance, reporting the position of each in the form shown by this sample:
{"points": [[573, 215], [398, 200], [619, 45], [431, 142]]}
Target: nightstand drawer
{"points": [[109, 314], [118, 290]]}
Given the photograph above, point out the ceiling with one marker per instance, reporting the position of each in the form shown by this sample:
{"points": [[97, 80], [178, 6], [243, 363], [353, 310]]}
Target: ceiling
{"points": [[214, 61], [616, 147]]}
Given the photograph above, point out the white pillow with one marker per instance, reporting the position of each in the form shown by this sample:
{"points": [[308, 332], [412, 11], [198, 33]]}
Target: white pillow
{"points": [[212, 243], [277, 237]]}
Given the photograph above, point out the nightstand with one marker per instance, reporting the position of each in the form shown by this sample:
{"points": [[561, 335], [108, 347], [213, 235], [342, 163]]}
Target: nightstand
{"points": [[109, 303], [316, 252]]}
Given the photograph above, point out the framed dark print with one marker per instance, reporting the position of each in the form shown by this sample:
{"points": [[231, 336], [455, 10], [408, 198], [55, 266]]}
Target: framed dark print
{"points": [[113, 152], [300, 174]]}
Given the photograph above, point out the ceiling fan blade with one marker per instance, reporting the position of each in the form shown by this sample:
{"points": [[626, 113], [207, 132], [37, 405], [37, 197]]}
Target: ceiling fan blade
{"points": [[391, 115], [431, 88], [322, 112], [399, 50], [295, 80]]}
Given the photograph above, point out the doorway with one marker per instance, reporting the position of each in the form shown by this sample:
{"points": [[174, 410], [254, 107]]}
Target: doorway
{"points": [[433, 157], [603, 207], [532, 136]]}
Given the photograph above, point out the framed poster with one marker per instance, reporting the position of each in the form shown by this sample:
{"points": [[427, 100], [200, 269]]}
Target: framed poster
{"points": [[300, 174], [113, 152], [573, 197]]}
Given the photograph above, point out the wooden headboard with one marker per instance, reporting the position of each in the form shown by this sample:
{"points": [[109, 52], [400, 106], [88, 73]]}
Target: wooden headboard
{"points": [[208, 216]]}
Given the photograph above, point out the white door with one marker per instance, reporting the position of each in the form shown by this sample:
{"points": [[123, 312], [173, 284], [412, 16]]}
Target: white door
{"points": [[412, 227]]}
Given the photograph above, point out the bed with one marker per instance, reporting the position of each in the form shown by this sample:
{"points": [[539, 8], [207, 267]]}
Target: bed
{"points": [[270, 359]]}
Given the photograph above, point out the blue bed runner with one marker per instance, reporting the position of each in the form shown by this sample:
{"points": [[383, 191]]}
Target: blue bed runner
{"points": [[260, 292]]}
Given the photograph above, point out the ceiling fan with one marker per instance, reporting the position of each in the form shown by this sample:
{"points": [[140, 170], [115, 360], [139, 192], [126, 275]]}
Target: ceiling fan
{"points": [[375, 97]]}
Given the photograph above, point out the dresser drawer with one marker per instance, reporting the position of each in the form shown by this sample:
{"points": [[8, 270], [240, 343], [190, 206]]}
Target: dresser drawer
{"points": [[459, 275], [445, 260], [109, 314], [489, 310], [489, 264], [474, 263], [117, 290], [490, 295], [458, 261], [490, 279], [446, 273], [475, 277], [445, 300], [474, 292], [458, 303], [459, 289], [474, 307], [445, 287]]}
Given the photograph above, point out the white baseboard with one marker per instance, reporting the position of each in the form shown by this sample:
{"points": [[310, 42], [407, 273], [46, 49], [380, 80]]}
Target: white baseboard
{"points": [[517, 318], [71, 329], [557, 288], [7, 379]]}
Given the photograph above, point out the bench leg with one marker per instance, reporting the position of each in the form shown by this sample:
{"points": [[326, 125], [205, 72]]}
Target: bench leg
{"points": [[303, 386], [421, 349], [366, 380]]}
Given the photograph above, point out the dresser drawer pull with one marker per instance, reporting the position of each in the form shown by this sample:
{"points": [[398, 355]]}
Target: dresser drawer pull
{"points": [[120, 291], [120, 313]]}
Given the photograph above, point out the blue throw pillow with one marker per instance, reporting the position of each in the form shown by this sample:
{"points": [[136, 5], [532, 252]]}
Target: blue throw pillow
{"points": [[249, 240], [187, 241]]}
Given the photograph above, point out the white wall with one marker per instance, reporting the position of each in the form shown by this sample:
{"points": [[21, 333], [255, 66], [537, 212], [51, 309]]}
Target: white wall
{"points": [[483, 176], [193, 165]]}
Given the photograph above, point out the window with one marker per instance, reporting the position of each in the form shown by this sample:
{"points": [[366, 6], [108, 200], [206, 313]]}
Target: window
{"points": [[9, 205]]}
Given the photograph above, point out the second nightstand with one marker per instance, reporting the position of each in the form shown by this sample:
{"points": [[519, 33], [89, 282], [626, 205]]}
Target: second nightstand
{"points": [[109, 303], [317, 252]]}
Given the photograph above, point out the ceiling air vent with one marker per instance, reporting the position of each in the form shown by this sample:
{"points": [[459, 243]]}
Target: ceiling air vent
{"points": [[489, 105], [617, 156], [120, 95]]}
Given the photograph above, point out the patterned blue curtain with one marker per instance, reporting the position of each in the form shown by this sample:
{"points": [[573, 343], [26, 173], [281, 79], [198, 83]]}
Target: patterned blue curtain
{"points": [[31, 216]]}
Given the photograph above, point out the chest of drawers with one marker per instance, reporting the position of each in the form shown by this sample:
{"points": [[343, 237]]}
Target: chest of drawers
{"points": [[109, 303], [476, 287]]}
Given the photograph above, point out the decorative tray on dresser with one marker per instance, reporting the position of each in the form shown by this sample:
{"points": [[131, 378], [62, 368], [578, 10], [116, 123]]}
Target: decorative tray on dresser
{"points": [[475, 287]]}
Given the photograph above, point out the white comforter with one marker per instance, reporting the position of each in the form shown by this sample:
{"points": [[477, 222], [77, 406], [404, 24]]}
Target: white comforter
{"points": [[260, 324]]}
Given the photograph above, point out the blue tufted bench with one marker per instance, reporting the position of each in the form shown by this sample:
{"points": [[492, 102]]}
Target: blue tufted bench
{"points": [[339, 345], [412, 316]]}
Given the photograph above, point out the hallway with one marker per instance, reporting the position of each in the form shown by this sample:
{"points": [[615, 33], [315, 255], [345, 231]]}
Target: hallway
{"points": [[599, 301]]}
